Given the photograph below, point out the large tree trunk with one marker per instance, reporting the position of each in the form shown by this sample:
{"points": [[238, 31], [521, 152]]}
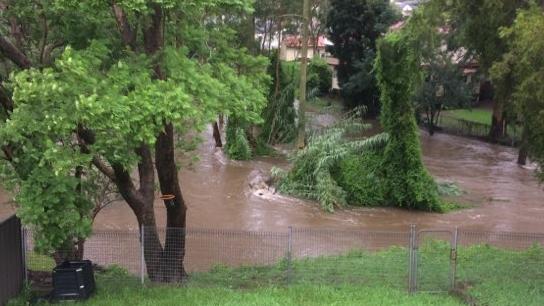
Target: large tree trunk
{"points": [[523, 150], [174, 247], [217, 135], [498, 122]]}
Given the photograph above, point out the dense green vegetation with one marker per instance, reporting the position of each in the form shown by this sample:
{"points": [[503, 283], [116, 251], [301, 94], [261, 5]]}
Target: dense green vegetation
{"points": [[319, 77], [359, 176], [316, 171], [406, 181], [354, 27], [520, 73], [80, 103]]}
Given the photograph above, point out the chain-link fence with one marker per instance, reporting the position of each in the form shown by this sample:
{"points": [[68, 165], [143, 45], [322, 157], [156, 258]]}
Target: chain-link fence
{"points": [[415, 260]]}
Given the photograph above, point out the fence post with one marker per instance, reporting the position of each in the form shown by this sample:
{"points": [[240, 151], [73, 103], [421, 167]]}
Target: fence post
{"points": [[289, 254], [23, 252], [453, 258], [412, 267], [142, 259]]}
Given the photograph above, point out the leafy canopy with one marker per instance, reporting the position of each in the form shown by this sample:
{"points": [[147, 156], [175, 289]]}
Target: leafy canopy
{"points": [[100, 87], [354, 27], [522, 70]]}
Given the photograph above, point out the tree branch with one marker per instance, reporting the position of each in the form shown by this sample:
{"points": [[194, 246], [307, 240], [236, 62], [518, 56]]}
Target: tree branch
{"points": [[127, 33], [5, 101], [146, 172], [105, 169], [13, 53], [43, 42]]}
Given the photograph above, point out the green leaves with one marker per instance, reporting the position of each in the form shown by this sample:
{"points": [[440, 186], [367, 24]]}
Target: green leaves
{"points": [[406, 181], [519, 75], [114, 94]]}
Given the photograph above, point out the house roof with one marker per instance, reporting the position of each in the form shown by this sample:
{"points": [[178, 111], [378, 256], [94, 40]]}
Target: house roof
{"points": [[333, 61], [295, 41]]}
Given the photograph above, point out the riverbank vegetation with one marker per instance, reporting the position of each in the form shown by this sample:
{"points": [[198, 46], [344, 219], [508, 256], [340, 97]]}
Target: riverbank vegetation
{"points": [[394, 176], [320, 171]]}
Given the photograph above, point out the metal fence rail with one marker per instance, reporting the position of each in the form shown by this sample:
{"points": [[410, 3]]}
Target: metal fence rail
{"points": [[462, 127], [12, 271], [415, 260]]}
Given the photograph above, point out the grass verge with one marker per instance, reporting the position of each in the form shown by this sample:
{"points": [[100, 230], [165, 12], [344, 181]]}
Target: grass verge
{"points": [[485, 274], [477, 115]]}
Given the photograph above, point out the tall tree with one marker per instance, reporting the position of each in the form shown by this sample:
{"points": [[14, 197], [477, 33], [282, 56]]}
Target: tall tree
{"points": [[521, 72], [116, 105], [444, 87], [481, 37], [33, 34], [301, 139], [354, 27]]}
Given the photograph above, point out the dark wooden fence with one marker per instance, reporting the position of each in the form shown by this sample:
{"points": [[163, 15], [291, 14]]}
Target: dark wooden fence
{"points": [[12, 267]]}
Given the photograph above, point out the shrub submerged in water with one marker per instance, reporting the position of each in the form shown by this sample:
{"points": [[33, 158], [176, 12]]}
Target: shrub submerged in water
{"points": [[359, 176], [316, 172]]}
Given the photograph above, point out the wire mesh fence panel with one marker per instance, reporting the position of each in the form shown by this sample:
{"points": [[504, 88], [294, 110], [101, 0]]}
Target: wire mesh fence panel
{"points": [[349, 257], [434, 271], [511, 261], [106, 249], [429, 261], [237, 259]]}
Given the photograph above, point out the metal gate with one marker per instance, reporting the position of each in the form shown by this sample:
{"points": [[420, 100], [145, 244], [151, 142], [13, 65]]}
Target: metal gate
{"points": [[433, 260]]}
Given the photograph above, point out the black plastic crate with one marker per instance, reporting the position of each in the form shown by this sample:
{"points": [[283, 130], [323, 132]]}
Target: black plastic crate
{"points": [[73, 280]]}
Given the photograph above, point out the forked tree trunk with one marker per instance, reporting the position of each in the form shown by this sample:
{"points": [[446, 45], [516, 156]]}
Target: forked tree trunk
{"points": [[170, 257]]}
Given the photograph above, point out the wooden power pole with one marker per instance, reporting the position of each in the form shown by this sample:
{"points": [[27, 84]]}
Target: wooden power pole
{"points": [[301, 139]]}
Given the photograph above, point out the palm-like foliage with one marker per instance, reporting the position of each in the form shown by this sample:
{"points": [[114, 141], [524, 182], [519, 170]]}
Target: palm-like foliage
{"points": [[313, 167]]}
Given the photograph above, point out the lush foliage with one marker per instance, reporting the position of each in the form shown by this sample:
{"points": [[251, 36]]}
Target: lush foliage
{"points": [[280, 115], [406, 181], [238, 146], [319, 77], [313, 173], [354, 27], [481, 39], [112, 95], [522, 71], [359, 175]]}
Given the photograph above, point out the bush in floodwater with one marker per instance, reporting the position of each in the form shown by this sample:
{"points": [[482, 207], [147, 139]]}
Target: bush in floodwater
{"points": [[315, 168], [237, 146], [407, 183], [359, 175]]}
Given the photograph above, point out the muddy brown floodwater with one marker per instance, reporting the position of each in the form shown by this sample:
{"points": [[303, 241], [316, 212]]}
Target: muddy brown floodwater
{"points": [[505, 197]]}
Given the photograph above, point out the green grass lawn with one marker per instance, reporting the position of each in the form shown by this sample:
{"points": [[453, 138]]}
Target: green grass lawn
{"points": [[487, 275], [478, 115], [117, 288]]}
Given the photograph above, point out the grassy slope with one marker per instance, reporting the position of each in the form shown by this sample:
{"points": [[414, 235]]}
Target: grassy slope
{"points": [[478, 115]]}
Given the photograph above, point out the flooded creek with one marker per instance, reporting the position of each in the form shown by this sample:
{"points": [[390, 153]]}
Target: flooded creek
{"points": [[503, 196]]}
